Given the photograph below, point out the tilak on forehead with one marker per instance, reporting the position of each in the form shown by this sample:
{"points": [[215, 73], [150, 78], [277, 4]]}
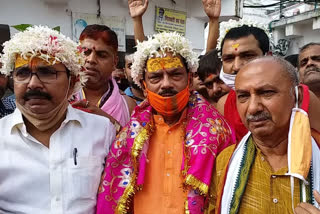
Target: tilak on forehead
{"points": [[33, 61], [156, 64], [235, 46]]}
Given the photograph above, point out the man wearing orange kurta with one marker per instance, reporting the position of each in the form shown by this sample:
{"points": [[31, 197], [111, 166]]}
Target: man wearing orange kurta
{"points": [[162, 161]]}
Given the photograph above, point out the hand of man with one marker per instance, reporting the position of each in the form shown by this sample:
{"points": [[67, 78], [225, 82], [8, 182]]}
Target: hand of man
{"points": [[212, 8], [137, 7], [86, 106], [305, 208]]}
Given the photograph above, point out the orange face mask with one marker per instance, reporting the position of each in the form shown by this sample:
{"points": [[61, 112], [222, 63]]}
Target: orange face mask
{"points": [[169, 106]]}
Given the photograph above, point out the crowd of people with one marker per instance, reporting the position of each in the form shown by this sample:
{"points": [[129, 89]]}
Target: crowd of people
{"points": [[236, 130]]}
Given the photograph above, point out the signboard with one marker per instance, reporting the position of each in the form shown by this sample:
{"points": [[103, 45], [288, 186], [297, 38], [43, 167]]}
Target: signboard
{"points": [[170, 20], [117, 24]]}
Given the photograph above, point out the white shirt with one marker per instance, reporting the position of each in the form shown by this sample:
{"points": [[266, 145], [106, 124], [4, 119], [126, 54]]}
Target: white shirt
{"points": [[38, 180]]}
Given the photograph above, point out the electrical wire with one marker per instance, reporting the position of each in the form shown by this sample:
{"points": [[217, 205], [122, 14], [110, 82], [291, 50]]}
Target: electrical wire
{"points": [[278, 3]]}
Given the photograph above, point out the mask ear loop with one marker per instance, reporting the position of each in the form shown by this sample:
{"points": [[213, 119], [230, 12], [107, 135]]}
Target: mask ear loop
{"points": [[297, 96]]}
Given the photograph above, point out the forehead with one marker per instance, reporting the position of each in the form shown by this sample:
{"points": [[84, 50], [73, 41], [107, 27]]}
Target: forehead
{"points": [[166, 59], [211, 77], [40, 64], [98, 44], [313, 50], [260, 74], [244, 44]]}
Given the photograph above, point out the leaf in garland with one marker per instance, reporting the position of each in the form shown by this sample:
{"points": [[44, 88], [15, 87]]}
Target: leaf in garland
{"points": [[21, 27], [57, 28]]}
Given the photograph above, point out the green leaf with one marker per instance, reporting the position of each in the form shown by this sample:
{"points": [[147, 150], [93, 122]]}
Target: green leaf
{"points": [[57, 28], [21, 27]]}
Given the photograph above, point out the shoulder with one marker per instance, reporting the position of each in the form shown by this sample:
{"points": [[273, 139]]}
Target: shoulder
{"points": [[221, 102], [90, 120], [130, 102], [92, 124], [224, 156], [8, 122]]}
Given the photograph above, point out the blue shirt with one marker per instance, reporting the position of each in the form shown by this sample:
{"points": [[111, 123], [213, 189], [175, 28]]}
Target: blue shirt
{"points": [[7, 106]]}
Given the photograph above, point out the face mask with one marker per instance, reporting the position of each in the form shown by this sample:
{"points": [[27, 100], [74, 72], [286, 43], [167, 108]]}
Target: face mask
{"points": [[169, 106], [299, 147], [46, 121], [228, 79]]}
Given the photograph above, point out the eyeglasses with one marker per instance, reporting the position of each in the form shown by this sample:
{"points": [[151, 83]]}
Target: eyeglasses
{"points": [[45, 75]]}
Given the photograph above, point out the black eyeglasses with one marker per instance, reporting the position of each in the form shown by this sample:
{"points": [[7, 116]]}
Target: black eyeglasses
{"points": [[45, 75]]}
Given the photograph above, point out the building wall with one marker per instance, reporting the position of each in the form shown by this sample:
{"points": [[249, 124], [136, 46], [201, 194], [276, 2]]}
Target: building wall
{"points": [[15, 12], [307, 35]]}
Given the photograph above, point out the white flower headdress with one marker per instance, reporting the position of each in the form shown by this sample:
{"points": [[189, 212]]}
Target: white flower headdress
{"points": [[161, 43], [45, 43], [226, 26]]}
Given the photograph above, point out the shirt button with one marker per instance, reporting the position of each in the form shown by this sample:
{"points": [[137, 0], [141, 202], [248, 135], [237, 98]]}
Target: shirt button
{"points": [[273, 176], [169, 152], [57, 199], [262, 158], [168, 174], [275, 200], [169, 132]]}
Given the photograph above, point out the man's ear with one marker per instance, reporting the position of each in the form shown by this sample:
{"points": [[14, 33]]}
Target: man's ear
{"points": [[190, 79], [115, 61], [143, 87], [72, 83]]}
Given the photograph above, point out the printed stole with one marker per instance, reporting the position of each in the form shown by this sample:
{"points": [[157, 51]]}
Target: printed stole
{"points": [[207, 133]]}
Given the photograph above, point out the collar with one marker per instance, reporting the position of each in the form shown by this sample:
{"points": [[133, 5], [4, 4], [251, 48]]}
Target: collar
{"points": [[18, 122]]}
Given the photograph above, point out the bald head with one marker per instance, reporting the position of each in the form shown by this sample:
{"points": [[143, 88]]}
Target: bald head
{"points": [[285, 69]]}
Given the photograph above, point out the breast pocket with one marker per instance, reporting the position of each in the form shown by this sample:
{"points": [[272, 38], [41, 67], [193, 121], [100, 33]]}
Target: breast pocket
{"points": [[83, 178]]}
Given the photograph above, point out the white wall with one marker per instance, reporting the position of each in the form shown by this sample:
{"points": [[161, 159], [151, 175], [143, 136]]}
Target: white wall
{"points": [[296, 43], [15, 12]]}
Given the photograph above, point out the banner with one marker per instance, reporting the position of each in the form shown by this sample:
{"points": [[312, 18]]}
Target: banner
{"points": [[170, 20], [117, 24]]}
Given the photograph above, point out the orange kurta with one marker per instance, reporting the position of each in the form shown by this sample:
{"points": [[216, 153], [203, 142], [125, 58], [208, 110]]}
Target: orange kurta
{"points": [[162, 190]]}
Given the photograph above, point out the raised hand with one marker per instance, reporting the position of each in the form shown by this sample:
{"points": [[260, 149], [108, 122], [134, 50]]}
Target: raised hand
{"points": [[212, 8], [137, 7]]}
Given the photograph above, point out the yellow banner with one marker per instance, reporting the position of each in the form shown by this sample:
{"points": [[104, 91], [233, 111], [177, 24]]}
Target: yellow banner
{"points": [[170, 20]]}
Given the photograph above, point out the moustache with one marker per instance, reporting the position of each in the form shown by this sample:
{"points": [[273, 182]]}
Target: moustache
{"points": [[36, 93], [168, 93], [258, 117], [312, 68]]}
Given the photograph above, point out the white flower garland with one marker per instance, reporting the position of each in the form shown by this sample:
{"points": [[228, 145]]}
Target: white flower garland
{"points": [[226, 26], [45, 43], [163, 42]]}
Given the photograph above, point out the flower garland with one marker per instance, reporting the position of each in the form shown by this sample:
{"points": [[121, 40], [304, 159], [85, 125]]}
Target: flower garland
{"points": [[226, 26], [47, 44], [161, 43]]}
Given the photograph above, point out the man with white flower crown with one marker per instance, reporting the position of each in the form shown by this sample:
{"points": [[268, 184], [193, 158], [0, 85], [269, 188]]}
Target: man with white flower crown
{"points": [[50, 161], [162, 161]]}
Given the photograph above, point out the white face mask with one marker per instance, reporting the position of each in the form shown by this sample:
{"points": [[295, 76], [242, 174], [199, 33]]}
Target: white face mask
{"points": [[228, 79]]}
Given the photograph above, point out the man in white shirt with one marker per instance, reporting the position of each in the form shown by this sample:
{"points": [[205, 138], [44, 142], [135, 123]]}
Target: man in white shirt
{"points": [[52, 155]]}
